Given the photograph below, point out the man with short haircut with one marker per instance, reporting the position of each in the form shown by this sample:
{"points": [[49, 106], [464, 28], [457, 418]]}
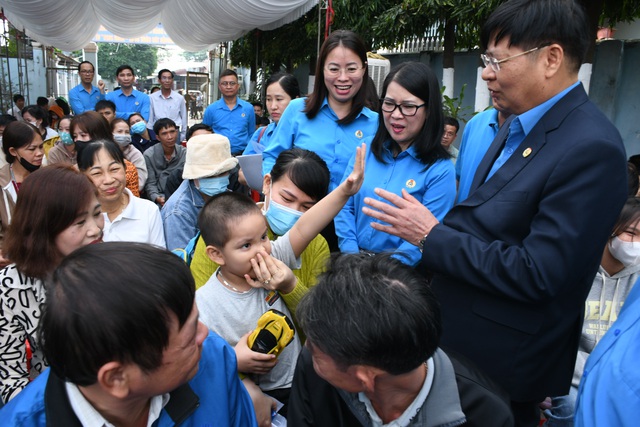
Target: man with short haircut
{"points": [[514, 262], [106, 109], [207, 165], [125, 347], [163, 159], [168, 103], [449, 134], [18, 105], [231, 116], [372, 358], [128, 100], [84, 96], [258, 109]]}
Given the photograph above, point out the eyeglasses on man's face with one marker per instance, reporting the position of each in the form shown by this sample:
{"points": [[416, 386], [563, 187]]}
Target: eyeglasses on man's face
{"points": [[495, 63], [86, 71], [408, 110], [334, 71], [228, 84]]}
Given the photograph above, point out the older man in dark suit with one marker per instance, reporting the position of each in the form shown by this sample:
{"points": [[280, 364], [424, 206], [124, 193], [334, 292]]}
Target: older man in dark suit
{"points": [[513, 263]]}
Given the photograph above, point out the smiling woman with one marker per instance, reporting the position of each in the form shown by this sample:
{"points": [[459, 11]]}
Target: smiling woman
{"points": [[406, 155], [333, 120], [57, 213], [127, 218]]}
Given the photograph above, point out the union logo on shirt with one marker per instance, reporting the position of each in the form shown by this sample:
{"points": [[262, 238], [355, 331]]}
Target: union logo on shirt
{"points": [[243, 114], [359, 134], [410, 183]]}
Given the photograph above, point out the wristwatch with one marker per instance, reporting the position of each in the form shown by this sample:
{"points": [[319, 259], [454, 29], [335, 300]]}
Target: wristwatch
{"points": [[421, 243]]}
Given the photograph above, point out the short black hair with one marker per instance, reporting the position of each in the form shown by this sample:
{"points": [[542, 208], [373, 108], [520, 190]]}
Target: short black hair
{"points": [[215, 218], [88, 150], [197, 126], [93, 68], [165, 70], [5, 119], [42, 102], [535, 23], [17, 97], [452, 122], [373, 311], [111, 302], [105, 103], [228, 72], [305, 169], [257, 104], [163, 123], [125, 67]]}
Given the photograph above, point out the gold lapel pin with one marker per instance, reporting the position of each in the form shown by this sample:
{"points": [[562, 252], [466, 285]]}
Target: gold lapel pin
{"points": [[526, 152]]}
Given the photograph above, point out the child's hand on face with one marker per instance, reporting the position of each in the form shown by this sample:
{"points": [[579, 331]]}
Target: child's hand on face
{"points": [[271, 274], [252, 362], [352, 184]]}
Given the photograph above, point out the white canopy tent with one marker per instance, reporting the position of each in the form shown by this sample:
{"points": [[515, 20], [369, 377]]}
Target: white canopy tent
{"points": [[193, 25]]}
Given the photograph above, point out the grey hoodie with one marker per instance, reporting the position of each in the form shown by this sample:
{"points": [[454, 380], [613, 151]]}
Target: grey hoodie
{"points": [[602, 306]]}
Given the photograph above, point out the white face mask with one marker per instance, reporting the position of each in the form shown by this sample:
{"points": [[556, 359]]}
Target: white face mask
{"points": [[628, 253]]}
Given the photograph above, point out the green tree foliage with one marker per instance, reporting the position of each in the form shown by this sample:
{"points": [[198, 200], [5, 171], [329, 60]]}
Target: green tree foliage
{"points": [[201, 56], [614, 11], [142, 58], [282, 48]]}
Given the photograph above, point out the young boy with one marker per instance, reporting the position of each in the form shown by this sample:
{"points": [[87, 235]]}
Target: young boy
{"points": [[237, 294], [107, 109]]}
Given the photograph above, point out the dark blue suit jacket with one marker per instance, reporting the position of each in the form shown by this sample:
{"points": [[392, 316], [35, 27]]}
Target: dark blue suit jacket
{"points": [[514, 262]]}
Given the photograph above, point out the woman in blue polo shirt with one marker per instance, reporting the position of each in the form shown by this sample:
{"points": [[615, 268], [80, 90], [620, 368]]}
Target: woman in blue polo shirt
{"points": [[282, 88], [405, 154], [333, 120]]}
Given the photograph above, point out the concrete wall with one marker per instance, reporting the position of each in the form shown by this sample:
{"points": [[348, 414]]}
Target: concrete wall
{"points": [[615, 88]]}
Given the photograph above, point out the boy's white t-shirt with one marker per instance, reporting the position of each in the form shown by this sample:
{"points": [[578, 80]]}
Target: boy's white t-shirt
{"points": [[231, 315]]}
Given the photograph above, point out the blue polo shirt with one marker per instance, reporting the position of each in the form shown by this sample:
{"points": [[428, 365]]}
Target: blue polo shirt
{"points": [[334, 143], [81, 100], [137, 102], [609, 393], [435, 187], [237, 124], [257, 147], [477, 137]]}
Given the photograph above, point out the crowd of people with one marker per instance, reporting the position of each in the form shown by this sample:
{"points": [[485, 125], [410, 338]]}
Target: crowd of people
{"points": [[467, 287]]}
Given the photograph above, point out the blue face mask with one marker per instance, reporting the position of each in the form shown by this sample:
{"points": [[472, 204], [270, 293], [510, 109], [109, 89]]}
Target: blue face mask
{"points": [[66, 138], [280, 218], [213, 185], [138, 128]]}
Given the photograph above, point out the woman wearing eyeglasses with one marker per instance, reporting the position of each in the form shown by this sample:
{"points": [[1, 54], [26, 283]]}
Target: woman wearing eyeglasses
{"points": [[405, 155]]}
